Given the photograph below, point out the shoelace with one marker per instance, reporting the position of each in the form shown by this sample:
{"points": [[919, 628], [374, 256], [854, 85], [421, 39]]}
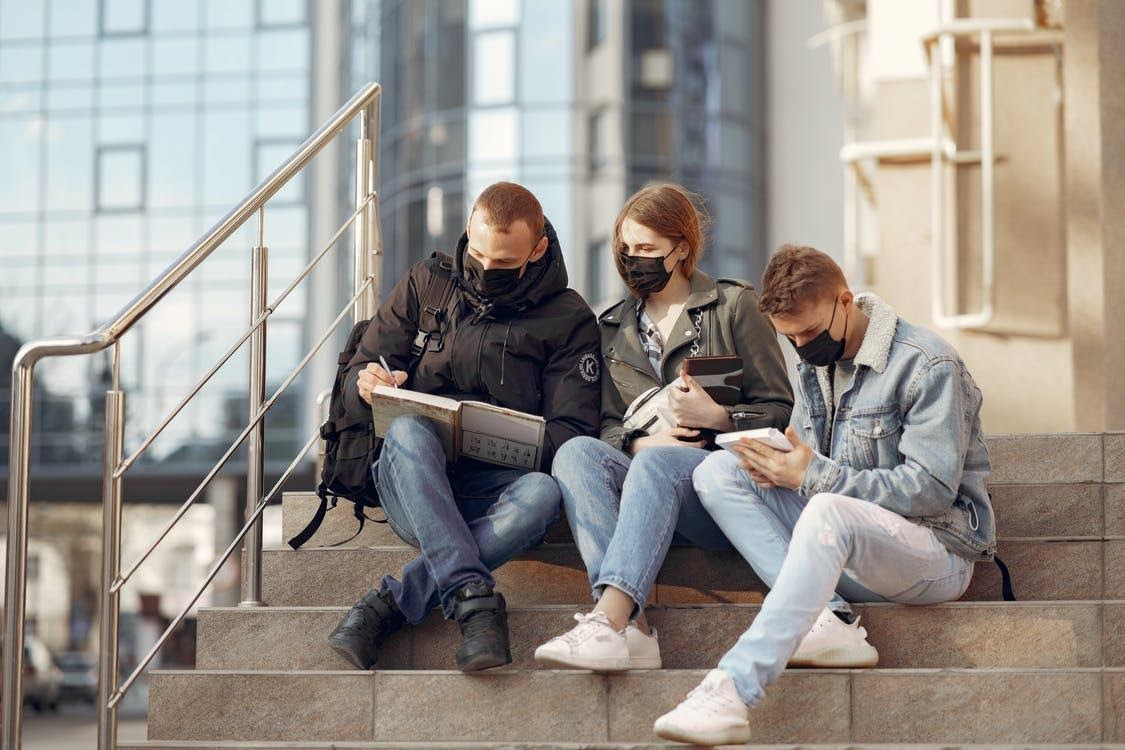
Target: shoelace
{"points": [[706, 697], [587, 626]]}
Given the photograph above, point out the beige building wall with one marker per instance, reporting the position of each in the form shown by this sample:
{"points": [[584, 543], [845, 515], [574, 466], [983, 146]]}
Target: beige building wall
{"points": [[1049, 359]]}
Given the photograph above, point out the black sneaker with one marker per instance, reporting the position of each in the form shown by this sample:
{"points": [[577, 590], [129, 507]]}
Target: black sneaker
{"points": [[483, 618], [364, 628]]}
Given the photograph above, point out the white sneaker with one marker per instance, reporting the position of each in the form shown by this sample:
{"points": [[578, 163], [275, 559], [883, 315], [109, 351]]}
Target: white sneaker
{"points": [[712, 714], [591, 644], [834, 643], [644, 650]]}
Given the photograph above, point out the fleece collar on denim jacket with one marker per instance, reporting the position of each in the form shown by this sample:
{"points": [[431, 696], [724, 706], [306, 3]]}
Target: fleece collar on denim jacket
{"points": [[876, 347]]}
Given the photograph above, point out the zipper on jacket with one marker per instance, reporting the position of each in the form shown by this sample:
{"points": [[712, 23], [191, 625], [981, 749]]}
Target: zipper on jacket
{"points": [[480, 355]]}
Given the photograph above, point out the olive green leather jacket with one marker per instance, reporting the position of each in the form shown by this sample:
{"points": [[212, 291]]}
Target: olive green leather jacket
{"points": [[720, 317]]}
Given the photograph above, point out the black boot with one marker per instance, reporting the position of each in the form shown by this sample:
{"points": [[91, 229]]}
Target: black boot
{"points": [[483, 618], [364, 628]]}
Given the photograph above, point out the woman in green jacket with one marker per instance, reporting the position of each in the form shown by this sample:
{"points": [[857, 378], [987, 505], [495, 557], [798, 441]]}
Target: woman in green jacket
{"points": [[629, 495]]}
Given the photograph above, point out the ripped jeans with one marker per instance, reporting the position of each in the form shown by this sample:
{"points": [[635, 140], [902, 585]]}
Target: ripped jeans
{"points": [[816, 553]]}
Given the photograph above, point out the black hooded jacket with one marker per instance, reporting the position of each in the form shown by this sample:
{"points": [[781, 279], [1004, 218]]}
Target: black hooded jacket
{"points": [[536, 349]]}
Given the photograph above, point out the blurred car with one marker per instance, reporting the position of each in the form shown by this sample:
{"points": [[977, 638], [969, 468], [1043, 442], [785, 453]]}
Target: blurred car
{"points": [[42, 680], [79, 676]]}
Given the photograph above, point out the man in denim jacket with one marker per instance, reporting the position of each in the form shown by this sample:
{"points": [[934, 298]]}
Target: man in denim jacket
{"points": [[881, 499]]}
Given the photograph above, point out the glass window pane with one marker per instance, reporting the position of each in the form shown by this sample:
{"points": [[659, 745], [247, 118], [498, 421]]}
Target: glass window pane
{"points": [[121, 128], [282, 87], [234, 90], [73, 17], [492, 135], [20, 98], [120, 178], [546, 134], [281, 12], [167, 94], [545, 64], [172, 168], [68, 238], [174, 16], [71, 61], [19, 153], [70, 164], [226, 159], [282, 122], [230, 14], [73, 98], [229, 53], [122, 58], [71, 272], [119, 238], [21, 20], [494, 68], [21, 63], [21, 273], [179, 56], [488, 14], [283, 50], [124, 16], [17, 239], [122, 96]]}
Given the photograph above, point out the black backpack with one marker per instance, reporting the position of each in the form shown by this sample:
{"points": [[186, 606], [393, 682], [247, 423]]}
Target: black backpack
{"points": [[351, 446]]}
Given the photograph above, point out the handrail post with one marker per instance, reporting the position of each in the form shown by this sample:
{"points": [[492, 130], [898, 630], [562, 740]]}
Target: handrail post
{"points": [[937, 184], [255, 457], [987, 170], [374, 231], [111, 567], [15, 578], [364, 185]]}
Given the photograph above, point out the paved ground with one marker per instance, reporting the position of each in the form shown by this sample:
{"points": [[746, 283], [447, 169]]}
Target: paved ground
{"points": [[74, 728]]}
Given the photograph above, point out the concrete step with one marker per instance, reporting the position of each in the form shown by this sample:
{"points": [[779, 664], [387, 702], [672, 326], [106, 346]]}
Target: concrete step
{"points": [[956, 635], [1061, 511], [236, 745], [829, 706], [1042, 570]]}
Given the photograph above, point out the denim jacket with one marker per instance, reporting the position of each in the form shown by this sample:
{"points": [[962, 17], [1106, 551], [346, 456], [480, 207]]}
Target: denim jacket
{"points": [[907, 434]]}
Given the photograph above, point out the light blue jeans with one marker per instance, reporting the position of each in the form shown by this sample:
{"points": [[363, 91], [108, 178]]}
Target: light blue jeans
{"points": [[626, 512], [805, 550], [467, 519]]}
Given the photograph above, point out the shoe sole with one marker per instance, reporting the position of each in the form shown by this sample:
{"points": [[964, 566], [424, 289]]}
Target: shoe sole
{"points": [[351, 657], [835, 658], [482, 662], [596, 665], [731, 736]]}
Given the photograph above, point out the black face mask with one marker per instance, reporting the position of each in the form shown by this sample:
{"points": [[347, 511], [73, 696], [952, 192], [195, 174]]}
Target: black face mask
{"points": [[493, 283], [823, 350], [646, 276]]}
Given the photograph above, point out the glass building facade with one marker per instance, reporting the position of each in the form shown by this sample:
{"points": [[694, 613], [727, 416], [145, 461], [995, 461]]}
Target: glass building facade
{"points": [[127, 128]]}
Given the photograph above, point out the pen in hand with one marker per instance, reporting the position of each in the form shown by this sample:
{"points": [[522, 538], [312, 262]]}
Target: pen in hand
{"points": [[387, 367]]}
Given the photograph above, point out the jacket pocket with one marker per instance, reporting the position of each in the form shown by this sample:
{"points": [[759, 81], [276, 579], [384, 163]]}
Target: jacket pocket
{"points": [[874, 438]]}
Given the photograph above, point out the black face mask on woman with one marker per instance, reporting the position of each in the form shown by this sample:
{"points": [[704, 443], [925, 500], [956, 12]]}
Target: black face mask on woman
{"points": [[823, 350], [645, 275]]}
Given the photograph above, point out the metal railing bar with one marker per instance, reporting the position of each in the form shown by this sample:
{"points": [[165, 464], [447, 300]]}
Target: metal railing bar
{"points": [[183, 509], [135, 455], [261, 506]]}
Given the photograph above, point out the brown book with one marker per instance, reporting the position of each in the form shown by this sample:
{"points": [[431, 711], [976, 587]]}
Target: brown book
{"points": [[720, 376]]}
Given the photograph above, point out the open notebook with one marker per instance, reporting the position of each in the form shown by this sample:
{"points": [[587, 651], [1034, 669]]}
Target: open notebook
{"points": [[467, 428]]}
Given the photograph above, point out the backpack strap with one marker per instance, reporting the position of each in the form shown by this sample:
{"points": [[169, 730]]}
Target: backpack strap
{"points": [[432, 310], [1006, 580], [314, 523]]}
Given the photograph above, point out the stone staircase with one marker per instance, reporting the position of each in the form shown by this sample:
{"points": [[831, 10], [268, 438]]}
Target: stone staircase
{"points": [[1046, 670]]}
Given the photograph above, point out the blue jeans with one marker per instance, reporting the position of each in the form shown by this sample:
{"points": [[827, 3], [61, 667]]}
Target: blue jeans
{"points": [[625, 513], [467, 519], [806, 550]]}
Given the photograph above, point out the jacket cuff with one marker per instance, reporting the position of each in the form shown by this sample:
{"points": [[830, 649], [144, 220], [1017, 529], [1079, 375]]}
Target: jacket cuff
{"points": [[820, 476]]}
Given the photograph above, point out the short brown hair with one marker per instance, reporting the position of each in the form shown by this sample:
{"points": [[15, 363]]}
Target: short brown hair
{"points": [[797, 275], [507, 202], [671, 211]]}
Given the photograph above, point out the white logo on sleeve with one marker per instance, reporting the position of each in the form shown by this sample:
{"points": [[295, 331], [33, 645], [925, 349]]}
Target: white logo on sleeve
{"points": [[588, 367]]}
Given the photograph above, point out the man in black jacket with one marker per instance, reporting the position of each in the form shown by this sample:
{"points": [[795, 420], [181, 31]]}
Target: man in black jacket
{"points": [[510, 333]]}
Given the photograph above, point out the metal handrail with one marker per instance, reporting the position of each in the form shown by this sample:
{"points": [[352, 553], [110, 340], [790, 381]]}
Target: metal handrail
{"points": [[135, 455], [364, 105], [987, 29], [253, 515], [255, 420]]}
